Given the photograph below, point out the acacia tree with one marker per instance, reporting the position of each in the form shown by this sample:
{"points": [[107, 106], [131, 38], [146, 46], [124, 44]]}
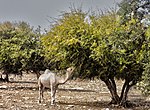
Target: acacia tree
{"points": [[103, 48]]}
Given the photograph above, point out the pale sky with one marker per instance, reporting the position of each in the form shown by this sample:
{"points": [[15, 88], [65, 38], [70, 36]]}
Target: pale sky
{"points": [[36, 12]]}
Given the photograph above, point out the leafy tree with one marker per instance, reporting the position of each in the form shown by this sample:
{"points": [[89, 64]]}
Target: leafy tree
{"points": [[7, 62], [144, 85], [19, 48], [36, 60], [63, 41], [103, 48], [138, 9], [120, 54]]}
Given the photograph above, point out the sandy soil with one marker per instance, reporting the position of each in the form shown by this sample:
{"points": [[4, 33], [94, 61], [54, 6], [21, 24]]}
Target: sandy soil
{"points": [[22, 94]]}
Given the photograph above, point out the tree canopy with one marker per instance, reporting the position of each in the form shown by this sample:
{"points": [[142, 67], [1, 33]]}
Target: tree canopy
{"points": [[19, 48], [104, 48]]}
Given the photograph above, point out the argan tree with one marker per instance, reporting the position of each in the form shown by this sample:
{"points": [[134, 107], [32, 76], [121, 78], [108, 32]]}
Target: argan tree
{"points": [[139, 10], [144, 85], [19, 48], [103, 48]]}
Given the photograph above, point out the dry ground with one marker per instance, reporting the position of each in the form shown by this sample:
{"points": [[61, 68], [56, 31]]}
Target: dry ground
{"points": [[22, 94]]}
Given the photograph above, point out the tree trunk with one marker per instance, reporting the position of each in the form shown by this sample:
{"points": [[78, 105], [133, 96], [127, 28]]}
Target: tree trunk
{"points": [[115, 98], [37, 74], [111, 85], [122, 100], [7, 76], [125, 89], [124, 92]]}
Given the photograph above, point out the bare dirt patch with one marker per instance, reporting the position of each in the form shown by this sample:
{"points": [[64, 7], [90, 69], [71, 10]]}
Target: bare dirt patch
{"points": [[22, 94]]}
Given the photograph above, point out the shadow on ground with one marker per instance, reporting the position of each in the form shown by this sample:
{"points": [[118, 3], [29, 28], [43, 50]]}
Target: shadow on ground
{"points": [[90, 104], [36, 88]]}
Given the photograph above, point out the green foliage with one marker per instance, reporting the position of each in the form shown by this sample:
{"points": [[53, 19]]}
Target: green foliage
{"points": [[101, 47], [68, 43], [109, 46], [144, 85], [64, 39], [137, 9], [19, 47]]}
